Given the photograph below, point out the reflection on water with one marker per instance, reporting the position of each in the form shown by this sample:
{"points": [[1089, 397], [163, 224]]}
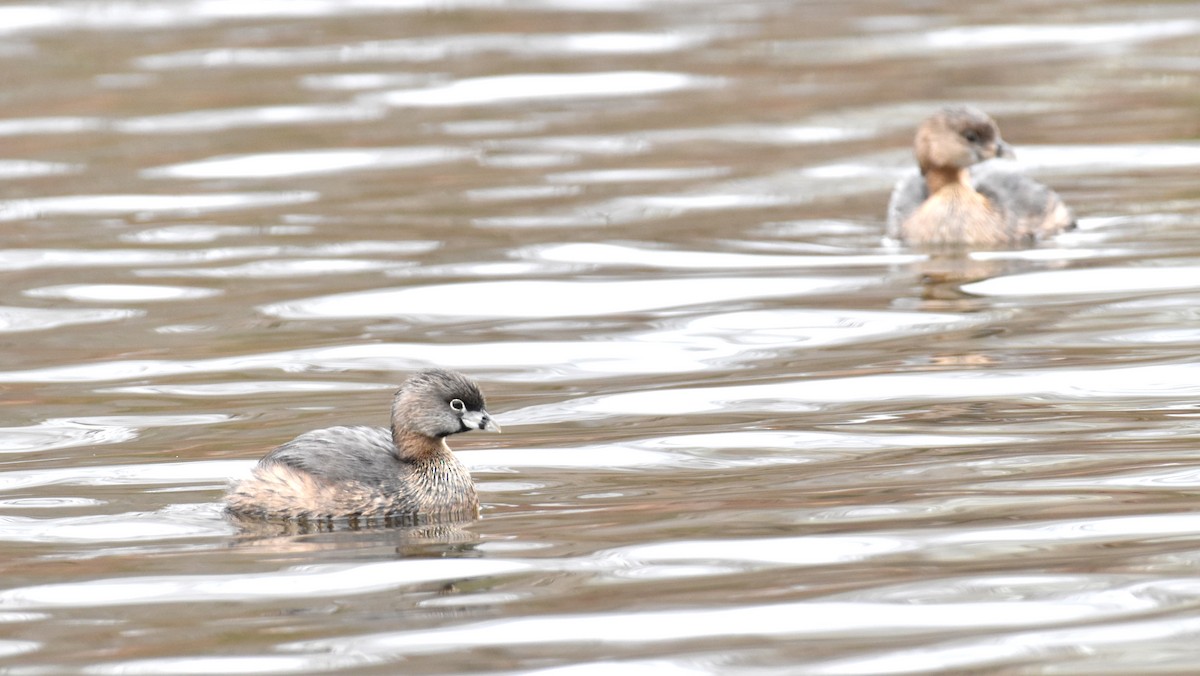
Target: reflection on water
{"points": [[1090, 281], [543, 299], [142, 205], [285, 165], [743, 432]]}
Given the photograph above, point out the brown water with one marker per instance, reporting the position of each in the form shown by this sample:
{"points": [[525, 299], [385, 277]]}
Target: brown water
{"points": [[743, 434]]}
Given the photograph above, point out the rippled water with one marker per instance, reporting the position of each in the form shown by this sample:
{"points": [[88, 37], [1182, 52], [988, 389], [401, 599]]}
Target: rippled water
{"points": [[743, 433]]}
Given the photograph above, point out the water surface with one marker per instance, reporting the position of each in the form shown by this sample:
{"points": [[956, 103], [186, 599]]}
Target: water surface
{"points": [[743, 433]]}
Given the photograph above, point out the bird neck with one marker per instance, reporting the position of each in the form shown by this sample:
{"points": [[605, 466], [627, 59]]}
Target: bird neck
{"points": [[412, 446], [937, 178]]}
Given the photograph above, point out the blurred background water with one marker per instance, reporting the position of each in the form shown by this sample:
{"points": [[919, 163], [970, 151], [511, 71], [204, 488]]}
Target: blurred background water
{"points": [[743, 434]]}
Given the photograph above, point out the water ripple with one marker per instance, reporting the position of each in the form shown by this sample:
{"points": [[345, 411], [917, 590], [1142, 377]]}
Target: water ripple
{"points": [[337, 580], [10, 169], [8, 648], [1114, 647], [762, 441], [49, 125], [12, 210], [501, 89], [1089, 281], [309, 267], [196, 234], [103, 293], [164, 473], [1112, 157], [163, 16], [807, 551], [28, 259], [49, 503], [621, 254], [530, 298], [636, 175], [793, 620], [235, 389], [550, 359], [775, 135], [239, 664], [1178, 381], [18, 319], [201, 121], [1050, 537], [893, 44], [310, 162], [91, 530], [55, 434], [427, 50]]}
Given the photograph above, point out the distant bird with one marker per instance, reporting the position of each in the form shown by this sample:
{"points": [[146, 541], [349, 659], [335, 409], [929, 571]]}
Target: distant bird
{"points": [[963, 196], [407, 473]]}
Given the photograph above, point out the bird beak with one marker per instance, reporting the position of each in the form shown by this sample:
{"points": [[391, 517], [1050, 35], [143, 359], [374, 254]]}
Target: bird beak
{"points": [[1004, 150], [480, 420]]}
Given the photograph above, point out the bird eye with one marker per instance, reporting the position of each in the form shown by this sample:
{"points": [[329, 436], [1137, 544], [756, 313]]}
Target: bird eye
{"points": [[971, 136], [458, 405]]}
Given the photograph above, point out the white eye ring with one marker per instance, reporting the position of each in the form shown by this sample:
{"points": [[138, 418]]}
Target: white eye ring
{"points": [[458, 405]]}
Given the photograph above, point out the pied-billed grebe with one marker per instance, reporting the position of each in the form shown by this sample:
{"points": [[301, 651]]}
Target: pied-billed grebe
{"points": [[962, 198], [406, 473]]}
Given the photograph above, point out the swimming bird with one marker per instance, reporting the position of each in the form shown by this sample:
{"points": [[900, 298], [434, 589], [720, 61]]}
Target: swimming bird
{"points": [[966, 193], [406, 473]]}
